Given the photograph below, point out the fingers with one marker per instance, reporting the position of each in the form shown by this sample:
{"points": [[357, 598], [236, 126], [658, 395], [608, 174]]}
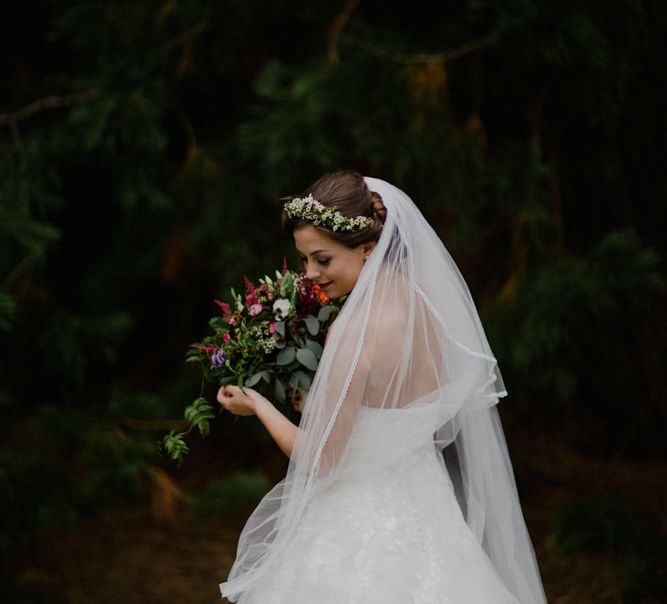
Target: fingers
{"points": [[222, 396], [225, 398], [237, 401], [227, 395], [231, 390], [228, 391]]}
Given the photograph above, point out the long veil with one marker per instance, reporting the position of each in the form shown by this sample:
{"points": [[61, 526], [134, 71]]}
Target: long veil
{"points": [[407, 337]]}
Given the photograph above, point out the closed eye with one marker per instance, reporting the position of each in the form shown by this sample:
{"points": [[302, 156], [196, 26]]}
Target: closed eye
{"points": [[323, 261]]}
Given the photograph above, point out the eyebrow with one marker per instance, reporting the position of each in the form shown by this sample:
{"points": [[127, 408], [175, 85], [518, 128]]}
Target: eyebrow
{"points": [[312, 253]]}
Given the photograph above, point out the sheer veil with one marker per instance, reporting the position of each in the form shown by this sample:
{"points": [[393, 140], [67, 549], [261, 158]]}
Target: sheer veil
{"points": [[407, 337]]}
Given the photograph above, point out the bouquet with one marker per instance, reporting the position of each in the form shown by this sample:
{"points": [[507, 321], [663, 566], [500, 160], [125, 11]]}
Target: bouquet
{"points": [[271, 338]]}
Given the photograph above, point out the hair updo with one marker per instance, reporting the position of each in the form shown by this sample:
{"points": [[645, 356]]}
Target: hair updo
{"points": [[347, 191]]}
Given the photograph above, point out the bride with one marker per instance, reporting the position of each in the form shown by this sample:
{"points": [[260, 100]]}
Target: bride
{"points": [[369, 511]]}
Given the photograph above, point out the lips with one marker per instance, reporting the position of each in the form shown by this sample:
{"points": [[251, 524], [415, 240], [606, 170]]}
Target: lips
{"points": [[327, 284]]}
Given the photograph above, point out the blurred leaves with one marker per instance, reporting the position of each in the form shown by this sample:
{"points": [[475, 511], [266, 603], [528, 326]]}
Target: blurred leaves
{"points": [[620, 528], [548, 322], [7, 310], [66, 467], [223, 499]]}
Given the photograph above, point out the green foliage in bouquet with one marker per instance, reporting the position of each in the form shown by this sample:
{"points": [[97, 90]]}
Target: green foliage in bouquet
{"points": [[272, 339]]}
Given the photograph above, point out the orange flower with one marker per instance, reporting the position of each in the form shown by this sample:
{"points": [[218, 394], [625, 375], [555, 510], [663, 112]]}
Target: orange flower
{"points": [[320, 294]]}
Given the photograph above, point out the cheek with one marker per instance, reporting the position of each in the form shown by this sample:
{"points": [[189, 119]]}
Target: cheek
{"points": [[349, 271], [343, 269]]}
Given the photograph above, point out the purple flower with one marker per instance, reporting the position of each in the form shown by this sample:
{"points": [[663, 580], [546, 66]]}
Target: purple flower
{"points": [[218, 358]]}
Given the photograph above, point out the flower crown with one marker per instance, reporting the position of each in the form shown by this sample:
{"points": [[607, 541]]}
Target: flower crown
{"points": [[308, 208]]}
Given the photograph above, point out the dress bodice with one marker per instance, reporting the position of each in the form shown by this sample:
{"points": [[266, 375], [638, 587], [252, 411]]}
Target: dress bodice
{"points": [[382, 437]]}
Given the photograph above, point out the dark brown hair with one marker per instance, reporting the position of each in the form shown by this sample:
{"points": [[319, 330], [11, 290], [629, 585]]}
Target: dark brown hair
{"points": [[348, 193]]}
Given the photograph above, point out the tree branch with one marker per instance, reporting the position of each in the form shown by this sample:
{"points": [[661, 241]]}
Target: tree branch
{"points": [[426, 58], [48, 102], [336, 28]]}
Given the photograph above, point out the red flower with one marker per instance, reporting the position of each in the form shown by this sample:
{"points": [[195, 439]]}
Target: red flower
{"points": [[310, 297], [224, 307], [251, 294], [249, 287], [209, 349]]}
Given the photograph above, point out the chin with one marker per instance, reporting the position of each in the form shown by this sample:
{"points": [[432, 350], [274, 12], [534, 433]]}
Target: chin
{"points": [[336, 292]]}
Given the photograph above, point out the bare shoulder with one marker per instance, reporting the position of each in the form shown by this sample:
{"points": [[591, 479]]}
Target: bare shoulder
{"points": [[388, 323], [391, 301]]}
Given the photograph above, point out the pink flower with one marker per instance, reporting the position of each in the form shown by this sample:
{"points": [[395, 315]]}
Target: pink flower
{"points": [[226, 338], [255, 309], [272, 327]]}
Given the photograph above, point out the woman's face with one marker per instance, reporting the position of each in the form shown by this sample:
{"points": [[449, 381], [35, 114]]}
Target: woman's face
{"points": [[330, 264]]}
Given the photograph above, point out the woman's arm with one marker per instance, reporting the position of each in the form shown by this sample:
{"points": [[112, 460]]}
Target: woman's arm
{"points": [[281, 429]]}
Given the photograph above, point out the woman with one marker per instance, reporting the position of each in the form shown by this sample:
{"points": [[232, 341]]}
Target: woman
{"points": [[367, 512]]}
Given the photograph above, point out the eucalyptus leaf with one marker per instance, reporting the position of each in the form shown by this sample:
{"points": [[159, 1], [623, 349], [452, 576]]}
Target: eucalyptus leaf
{"points": [[307, 358], [325, 313], [294, 381], [304, 379], [253, 379], [313, 325], [286, 356], [280, 328], [266, 376], [315, 347], [280, 391]]}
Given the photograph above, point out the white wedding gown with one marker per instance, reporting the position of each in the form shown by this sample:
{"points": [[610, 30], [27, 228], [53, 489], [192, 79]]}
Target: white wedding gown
{"points": [[388, 531]]}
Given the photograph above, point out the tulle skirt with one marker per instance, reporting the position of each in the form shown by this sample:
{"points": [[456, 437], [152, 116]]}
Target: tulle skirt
{"points": [[391, 534]]}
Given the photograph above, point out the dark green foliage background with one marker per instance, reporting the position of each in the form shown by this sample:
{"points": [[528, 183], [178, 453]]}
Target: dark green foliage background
{"points": [[143, 146]]}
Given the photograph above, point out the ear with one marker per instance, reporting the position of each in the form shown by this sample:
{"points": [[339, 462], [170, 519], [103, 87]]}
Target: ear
{"points": [[368, 247]]}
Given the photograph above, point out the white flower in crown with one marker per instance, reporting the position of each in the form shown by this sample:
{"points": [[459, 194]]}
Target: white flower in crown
{"points": [[308, 208]]}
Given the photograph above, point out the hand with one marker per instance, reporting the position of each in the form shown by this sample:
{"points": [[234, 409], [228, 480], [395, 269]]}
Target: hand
{"points": [[234, 400]]}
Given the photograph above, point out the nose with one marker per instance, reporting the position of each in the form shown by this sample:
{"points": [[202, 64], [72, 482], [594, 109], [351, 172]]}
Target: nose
{"points": [[311, 271]]}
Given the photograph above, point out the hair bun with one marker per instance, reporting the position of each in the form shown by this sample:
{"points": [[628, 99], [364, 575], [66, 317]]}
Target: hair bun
{"points": [[378, 207]]}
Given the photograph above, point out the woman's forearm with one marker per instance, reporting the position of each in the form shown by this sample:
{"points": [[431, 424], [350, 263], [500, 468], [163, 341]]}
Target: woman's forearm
{"points": [[281, 429]]}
